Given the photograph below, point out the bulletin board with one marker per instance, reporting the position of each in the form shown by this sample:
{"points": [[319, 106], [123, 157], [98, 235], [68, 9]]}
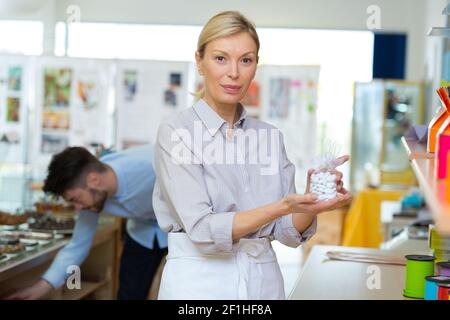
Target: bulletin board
{"points": [[73, 105], [14, 87], [146, 93], [289, 100], [60, 102]]}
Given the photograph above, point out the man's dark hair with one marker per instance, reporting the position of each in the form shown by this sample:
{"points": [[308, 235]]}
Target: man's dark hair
{"points": [[69, 168]]}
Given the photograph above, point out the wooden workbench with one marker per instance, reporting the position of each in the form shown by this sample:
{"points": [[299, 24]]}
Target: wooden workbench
{"points": [[325, 279]]}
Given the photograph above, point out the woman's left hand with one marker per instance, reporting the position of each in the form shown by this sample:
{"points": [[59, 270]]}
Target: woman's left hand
{"points": [[343, 198], [339, 183]]}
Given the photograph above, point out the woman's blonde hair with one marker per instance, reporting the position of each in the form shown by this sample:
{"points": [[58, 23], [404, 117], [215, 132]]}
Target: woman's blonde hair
{"points": [[222, 25]]}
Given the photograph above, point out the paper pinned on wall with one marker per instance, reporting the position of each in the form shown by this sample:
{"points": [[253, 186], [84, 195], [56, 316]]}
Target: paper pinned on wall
{"points": [[73, 103], [289, 97], [173, 90], [280, 94], [129, 85], [147, 92], [13, 113], [12, 109], [252, 98], [52, 143], [15, 78], [87, 92], [57, 86]]}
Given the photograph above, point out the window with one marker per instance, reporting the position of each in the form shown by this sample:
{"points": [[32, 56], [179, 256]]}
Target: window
{"points": [[125, 41], [21, 37], [344, 56]]}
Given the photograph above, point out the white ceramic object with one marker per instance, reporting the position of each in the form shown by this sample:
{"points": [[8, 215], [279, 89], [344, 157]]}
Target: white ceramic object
{"points": [[323, 184]]}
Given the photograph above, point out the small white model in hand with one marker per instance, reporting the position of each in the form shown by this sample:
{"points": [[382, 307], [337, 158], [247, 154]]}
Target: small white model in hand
{"points": [[323, 181], [323, 184]]}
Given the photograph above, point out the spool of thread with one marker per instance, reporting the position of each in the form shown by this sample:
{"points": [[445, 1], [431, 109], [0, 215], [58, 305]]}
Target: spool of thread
{"points": [[432, 286], [443, 291], [418, 267], [443, 268]]}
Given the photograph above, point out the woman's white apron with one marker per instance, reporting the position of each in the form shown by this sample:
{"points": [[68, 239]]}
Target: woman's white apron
{"points": [[251, 271]]}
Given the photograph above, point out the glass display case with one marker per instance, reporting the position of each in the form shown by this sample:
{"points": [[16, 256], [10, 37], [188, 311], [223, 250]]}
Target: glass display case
{"points": [[383, 111]]}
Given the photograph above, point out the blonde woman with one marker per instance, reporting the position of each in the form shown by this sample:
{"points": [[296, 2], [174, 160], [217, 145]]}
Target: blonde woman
{"points": [[225, 187]]}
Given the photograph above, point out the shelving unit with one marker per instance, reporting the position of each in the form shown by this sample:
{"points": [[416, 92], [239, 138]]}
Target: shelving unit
{"points": [[99, 275], [441, 31], [423, 165], [87, 288], [416, 150], [14, 267]]}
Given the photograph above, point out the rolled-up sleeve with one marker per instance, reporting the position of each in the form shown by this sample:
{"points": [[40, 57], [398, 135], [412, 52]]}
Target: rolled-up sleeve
{"points": [[181, 195], [76, 251], [284, 230]]}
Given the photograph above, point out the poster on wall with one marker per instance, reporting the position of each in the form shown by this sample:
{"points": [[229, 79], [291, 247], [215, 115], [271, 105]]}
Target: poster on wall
{"points": [[280, 94], [13, 111], [92, 125], [72, 101], [146, 93], [252, 97], [289, 98], [53, 143], [87, 92], [56, 120], [173, 90], [57, 87], [129, 85], [252, 100], [56, 108], [15, 78]]}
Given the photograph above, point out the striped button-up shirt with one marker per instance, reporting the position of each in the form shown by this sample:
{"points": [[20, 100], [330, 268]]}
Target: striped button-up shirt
{"points": [[206, 172]]}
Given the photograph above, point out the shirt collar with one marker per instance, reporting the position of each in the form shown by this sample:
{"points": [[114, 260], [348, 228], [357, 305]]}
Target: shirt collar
{"points": [[242, 117], [212, 120], [121, 187]]}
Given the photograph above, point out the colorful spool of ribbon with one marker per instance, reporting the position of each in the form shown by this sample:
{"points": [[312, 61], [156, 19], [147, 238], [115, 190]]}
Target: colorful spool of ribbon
{"points": [[432, 286], [444, 291], [418, 267], [443, 268]]}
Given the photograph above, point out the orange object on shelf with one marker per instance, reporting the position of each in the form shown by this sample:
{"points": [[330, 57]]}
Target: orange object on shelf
{"points": [[439, 119], [434, 126], [444, 93]]}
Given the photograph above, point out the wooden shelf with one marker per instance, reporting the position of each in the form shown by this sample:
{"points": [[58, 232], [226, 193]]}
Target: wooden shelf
{"points": [[433, 190], [100, 268], [86, 289], [415, 150], [30, 260]]}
